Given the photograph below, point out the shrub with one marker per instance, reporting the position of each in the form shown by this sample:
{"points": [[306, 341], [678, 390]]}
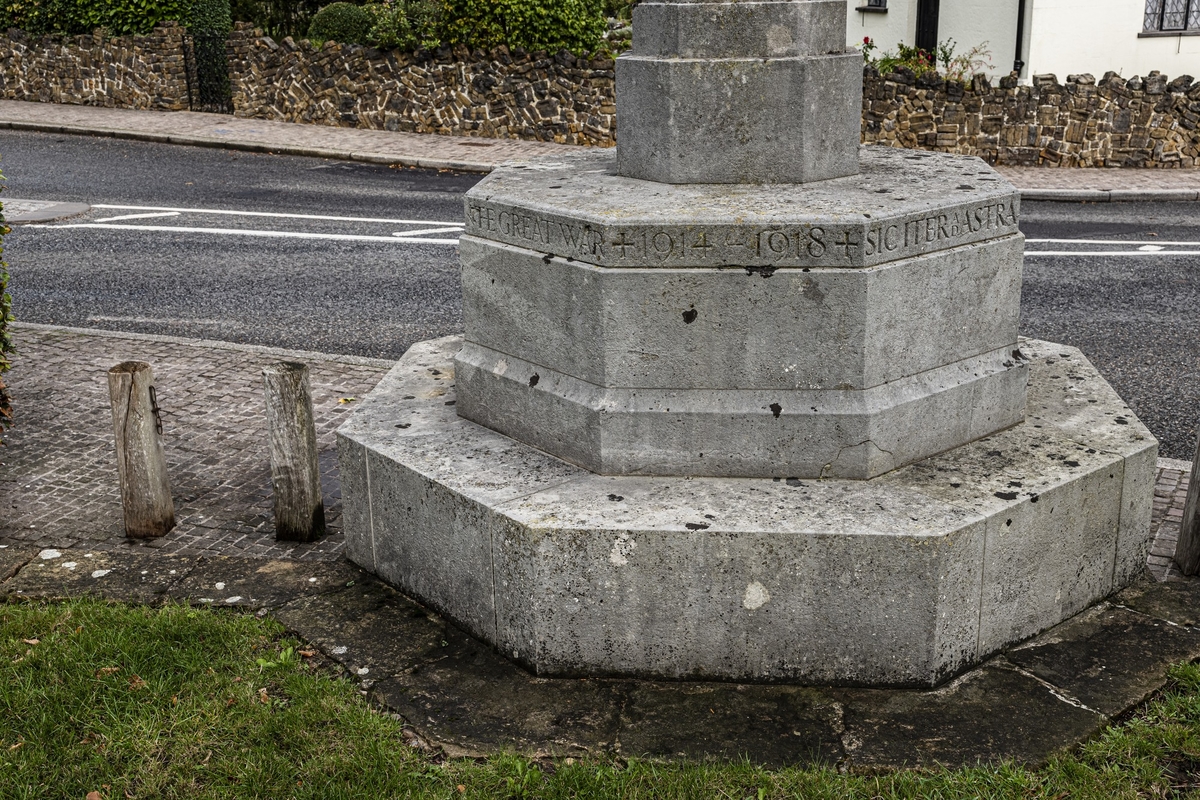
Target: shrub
{"points": [[919, 61], [341, 22], [278, 18], [550, 25], [116, 17], [6, 345], [404, 24]]}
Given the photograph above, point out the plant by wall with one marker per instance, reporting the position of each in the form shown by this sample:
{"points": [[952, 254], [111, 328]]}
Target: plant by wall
{"points": [[115, 17], [404, 24], [550, 25], [957, 67], [341, 22], [6, 344]]}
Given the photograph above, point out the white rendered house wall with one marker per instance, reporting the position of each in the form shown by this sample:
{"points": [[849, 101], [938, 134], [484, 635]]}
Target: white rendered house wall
{"points": [[1095, 36], [1062, 37]]}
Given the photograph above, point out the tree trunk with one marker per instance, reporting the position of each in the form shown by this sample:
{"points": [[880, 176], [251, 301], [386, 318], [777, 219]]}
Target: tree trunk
{"points": [[295, 478], [141, 465], [1187, 549]]}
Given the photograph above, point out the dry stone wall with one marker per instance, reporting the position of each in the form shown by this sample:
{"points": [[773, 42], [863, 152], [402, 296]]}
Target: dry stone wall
{"points": [[1147, 121], [502, 94], [1139, 122], [146, 72]]}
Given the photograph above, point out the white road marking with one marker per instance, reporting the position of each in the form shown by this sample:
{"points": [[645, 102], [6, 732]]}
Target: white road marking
{"points": [[1151, 248], [340, 237], [427, 231], [230, 212], [1110, 241], [1112, 253], [138, 216]]}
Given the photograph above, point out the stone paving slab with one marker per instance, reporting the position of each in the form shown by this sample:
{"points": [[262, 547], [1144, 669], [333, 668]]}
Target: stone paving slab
{"points": [[482, 155], [58, 479], [1040, 698]]}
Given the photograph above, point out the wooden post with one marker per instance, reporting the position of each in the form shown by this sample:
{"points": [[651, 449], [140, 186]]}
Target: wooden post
{"points": [[1187, 549], [141, 465], [295, 478]]}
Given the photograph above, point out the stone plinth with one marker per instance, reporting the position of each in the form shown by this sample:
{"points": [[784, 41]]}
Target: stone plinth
{"points": [[719, 92], [836, 329], [900, 580]]}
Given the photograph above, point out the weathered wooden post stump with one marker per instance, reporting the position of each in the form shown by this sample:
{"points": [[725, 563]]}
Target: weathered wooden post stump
{"points": [[295, 478], [1187, 550], [141, 464]]}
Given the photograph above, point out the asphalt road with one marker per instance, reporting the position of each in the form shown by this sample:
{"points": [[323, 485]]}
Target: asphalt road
{"points": [[287, 280]]}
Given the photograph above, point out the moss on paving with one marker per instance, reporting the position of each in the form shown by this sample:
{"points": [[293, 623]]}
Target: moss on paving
{"points": [[178, 702]]}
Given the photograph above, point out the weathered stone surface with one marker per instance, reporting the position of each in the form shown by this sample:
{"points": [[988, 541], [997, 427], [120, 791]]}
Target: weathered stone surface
{"points": [[132, 577], [1107, 658], [991, 714], [1176, 601], [898, 206], [261, 583], [739, 30], [774, 726], [681, 121], [868, 315], [1072, 397], [13, 557], [769, 579], [475, 701], [370, 627], [115, 71]]}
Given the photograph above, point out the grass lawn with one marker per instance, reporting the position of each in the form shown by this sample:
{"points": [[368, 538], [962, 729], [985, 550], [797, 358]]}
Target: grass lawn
{"points": [[176, 702]]}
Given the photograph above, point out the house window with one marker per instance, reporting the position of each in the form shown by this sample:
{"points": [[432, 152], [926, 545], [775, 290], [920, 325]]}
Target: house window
{"points": [[1172, 15], [880, 6]]}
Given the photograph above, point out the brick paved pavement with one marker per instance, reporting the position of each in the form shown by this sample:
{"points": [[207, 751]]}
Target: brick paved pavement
{"points": [[323, 141], [58, 480]]}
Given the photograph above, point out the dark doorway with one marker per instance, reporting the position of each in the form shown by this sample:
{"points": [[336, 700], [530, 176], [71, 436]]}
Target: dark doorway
{"points": [[927, 25]]}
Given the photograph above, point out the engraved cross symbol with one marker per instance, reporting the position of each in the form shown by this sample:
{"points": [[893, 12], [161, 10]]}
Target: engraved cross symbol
{"points": [[702, 245], [846, 244], [624, 243]]}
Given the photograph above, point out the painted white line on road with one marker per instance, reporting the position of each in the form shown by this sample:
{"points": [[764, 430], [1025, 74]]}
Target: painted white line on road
{"points": [[230, 212], [138, 216], [427, 231], [339, 237], [1112, 253], [1111, 242]]}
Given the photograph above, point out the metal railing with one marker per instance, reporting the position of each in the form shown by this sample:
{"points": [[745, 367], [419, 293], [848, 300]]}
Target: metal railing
{"points": [[207, 66]]}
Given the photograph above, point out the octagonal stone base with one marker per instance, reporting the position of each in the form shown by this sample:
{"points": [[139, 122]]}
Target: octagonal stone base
{"points": [[902, 580]]}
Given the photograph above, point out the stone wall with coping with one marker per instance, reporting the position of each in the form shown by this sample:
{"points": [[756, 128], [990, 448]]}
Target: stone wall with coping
{"points": [[144, 72], [1147, 122], [1139, 122], [496, 94]]}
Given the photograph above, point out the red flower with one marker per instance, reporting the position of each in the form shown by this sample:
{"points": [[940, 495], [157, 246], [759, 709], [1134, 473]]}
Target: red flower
{"points": [[866, 40]]}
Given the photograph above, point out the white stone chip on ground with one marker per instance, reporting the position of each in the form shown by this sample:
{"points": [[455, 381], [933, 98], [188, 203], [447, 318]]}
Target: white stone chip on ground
{"points": [[339, 650], [100, 573], [46, 555]]}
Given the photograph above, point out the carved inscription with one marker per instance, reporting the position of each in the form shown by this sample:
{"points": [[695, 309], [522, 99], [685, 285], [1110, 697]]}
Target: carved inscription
{"points": [[950, 225], [806, 245]]}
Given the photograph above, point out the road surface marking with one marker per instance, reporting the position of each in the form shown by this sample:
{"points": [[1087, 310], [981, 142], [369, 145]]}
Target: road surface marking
{"points": [[340, 237], [1111, 242], [138, 216], [1112, 253], [427, 231], [230, 212]]}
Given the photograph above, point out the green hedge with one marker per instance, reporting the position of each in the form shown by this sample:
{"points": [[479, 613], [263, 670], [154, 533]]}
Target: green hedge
{"points": [[550, 25], [117, 17], [6, 345]]}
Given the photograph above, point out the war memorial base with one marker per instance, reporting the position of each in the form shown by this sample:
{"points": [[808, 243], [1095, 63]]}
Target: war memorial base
{"points": [[902, 580]]}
